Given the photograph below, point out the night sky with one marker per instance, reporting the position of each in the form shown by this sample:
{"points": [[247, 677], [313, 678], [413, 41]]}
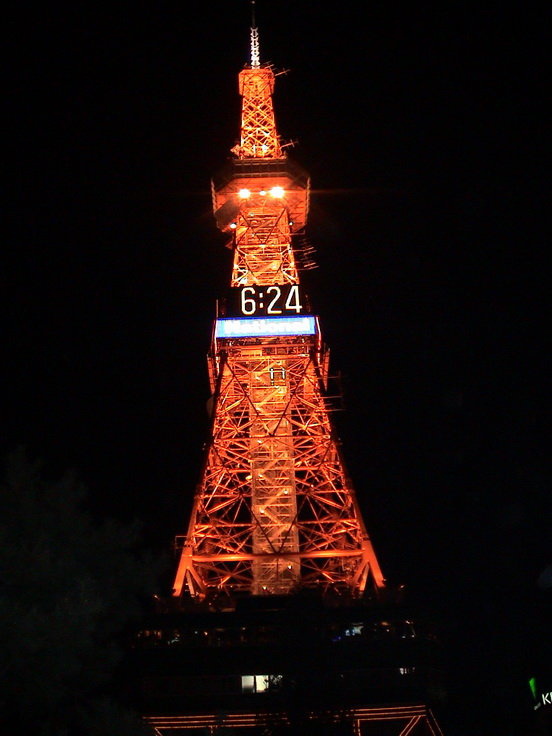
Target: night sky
{"points": [[424, 133]]}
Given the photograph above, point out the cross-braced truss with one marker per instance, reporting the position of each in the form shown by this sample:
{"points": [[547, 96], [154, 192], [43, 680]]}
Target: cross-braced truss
{"points": [[275, 508], [262, 252], [259, 138]]}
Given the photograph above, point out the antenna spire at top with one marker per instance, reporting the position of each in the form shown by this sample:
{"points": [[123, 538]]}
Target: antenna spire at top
{"points": [[255, 58]]}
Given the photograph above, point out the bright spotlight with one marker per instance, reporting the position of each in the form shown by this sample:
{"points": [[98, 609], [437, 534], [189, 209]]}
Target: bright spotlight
{"points": [[277, 192]]}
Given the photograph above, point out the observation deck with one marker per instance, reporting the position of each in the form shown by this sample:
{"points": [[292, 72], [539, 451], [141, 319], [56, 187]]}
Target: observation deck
{"points": [[258, 176]]}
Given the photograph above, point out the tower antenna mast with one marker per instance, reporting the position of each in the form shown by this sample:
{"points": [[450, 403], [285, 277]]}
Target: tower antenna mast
{"points": [[255, 56]]}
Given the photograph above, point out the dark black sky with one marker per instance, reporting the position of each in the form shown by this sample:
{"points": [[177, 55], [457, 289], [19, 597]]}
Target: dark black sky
{"points": [[424, 133]]}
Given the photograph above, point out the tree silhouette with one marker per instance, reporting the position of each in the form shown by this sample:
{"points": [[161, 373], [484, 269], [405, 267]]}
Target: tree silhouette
{"points": [[69, 586]]}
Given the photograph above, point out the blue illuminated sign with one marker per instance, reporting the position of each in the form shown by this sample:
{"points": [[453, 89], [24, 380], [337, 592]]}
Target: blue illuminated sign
{"points": [[265, 327]]}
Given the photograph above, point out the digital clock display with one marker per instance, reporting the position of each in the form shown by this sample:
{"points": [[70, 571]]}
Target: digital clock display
{"points": [[265, 301]]}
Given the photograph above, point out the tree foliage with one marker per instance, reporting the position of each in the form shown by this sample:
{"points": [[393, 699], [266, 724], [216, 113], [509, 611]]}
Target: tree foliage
{"points": [[69, 585]]}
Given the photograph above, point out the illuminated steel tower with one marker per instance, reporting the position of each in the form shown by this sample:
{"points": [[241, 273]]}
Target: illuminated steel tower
{"points": [[274, 510], [275, 513]]}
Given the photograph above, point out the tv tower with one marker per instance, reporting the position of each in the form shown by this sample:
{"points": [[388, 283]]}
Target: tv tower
{"points": [[278, 622], [274, 511]]}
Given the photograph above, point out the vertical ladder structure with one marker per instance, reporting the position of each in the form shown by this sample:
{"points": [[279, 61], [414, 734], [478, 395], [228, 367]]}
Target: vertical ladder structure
{"points": [[274, 511]]}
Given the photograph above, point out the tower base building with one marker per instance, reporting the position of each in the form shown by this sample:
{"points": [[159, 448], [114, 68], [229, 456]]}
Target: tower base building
{"points": [[289, 665]]}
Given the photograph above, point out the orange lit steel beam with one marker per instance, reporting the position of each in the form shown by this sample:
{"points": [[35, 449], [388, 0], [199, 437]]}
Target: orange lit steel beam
{"points": [[248, 556]]}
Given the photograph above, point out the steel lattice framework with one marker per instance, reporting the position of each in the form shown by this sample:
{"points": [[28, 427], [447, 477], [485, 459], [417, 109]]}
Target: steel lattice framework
{"points": [[262, 248], [274, 510], [258, 127]]}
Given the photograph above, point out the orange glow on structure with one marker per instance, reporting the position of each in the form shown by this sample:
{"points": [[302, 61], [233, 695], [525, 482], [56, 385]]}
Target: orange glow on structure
{"points": [[274, 510], [410, 720], [259, 138]]}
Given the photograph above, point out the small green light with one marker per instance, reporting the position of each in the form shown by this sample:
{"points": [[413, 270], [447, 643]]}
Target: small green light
{"points": [[533, 686]]}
